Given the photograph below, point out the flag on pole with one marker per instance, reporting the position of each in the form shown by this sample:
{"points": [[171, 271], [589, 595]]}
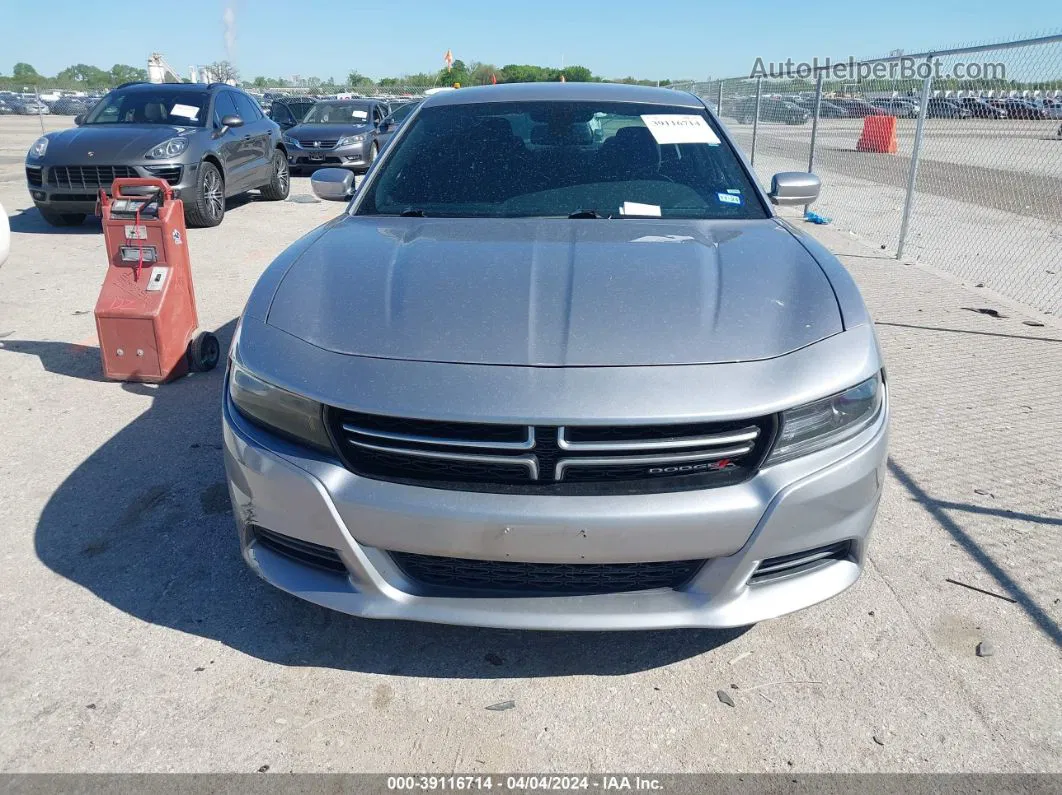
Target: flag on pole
{"points": [[493, 79], [448, 59], [563, 79]]}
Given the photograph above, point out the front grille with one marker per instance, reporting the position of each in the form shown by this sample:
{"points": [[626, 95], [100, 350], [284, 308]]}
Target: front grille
{"points": [[301, 551], [441, 576], [87, 176], [800, 562], [550, 459], [172, 174], [313, 143], [33, 176]]}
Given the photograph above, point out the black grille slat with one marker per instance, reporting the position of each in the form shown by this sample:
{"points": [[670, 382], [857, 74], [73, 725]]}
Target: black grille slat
{"points": [[72, 177], [172, 174], [299, 550], [33, 176], [386, 448], [800, 562], [467, 577]]}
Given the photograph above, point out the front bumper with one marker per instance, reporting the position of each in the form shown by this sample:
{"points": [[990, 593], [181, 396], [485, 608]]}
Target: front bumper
{"points": [[62, 191], [353, 156], [812, 502]]}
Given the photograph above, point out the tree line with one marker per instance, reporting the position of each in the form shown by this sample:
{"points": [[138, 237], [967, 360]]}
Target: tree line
{"points": [[80, 76], [473, 73], [86, 77]]}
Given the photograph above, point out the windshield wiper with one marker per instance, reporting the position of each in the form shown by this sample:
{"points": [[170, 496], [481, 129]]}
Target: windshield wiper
{"points": [[588, 214], [412, 212]]}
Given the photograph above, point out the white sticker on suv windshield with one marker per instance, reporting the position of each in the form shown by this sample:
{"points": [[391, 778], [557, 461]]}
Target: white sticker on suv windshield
{"points": [[185, 111], [635, 208], [673, 128], [359, 114]]}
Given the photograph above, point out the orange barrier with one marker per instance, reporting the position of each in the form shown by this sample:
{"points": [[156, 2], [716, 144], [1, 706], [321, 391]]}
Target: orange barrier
{"points": [[879, 135]]}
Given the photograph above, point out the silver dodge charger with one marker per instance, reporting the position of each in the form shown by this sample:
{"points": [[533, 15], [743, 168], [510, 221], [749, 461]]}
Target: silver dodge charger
{"points": [[558, 366]]}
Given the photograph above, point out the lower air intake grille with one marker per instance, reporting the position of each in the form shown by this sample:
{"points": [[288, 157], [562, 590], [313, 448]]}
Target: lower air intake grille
{"points": [[800, 562], [461, 576], [33, 176], [296, 549]]}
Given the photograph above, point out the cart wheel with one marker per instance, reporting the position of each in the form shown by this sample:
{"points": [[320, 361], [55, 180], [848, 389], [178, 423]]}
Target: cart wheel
{"points": [[203, 352]]}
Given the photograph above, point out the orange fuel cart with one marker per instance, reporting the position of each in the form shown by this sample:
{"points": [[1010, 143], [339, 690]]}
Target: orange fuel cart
{"points": [[145, 315]]}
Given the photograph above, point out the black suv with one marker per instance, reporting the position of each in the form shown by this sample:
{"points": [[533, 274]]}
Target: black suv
{"points": [[208, 141]]}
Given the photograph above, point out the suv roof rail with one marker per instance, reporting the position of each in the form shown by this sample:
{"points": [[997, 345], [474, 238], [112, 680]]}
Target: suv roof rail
{"points": [[134, 83], [223, 84]]}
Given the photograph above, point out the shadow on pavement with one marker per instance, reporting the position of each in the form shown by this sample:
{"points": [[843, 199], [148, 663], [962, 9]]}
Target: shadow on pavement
{"points": [[938, 510], [144, 523], [29, 221], [969, 331], [64, 358]]}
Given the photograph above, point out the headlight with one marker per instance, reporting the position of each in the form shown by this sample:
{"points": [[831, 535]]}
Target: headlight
{"points": [[40, 146], [277, 409], [826, 422], [292, 142], [168, 149], [351, 139]]}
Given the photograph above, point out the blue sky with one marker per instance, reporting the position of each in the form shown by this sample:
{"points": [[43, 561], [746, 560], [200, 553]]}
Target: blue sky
{"points": [[660, 39]]}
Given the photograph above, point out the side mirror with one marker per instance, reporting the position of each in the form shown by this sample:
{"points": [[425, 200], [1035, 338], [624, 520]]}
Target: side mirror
{"points": [[229, 122], [794, 187], [332, 184], [78, 119], [386, 125]]}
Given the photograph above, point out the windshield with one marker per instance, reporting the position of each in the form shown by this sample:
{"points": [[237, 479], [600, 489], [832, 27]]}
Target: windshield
{"points": [[339, 113], [513, 159], [160, 106], [400, 113]]}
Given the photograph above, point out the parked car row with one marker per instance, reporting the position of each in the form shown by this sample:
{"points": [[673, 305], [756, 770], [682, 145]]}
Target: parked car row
{"points": [[782, 108], [32, 105]]}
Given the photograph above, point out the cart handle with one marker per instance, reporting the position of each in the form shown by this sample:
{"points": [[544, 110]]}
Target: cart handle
{"points": [[160, 185]]}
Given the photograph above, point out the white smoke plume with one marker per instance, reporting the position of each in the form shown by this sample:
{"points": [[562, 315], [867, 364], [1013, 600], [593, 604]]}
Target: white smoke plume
{"points": [[229, 18]]}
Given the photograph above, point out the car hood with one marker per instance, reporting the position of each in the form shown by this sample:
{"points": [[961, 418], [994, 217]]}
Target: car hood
{"points": [[556, 292], [326, 132], [109, 143]]}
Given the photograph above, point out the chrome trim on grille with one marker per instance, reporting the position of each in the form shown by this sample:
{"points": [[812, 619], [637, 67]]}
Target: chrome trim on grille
{"points": [[679, 458], [527, 444], [528, 461], [744, 435]]}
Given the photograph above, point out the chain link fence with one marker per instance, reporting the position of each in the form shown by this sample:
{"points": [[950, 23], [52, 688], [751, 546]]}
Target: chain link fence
{"points": [[968, 176]]}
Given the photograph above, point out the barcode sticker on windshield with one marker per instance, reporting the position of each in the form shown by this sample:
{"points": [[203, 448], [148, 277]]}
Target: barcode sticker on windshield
{"points": [[680, 129], [185, 111]]}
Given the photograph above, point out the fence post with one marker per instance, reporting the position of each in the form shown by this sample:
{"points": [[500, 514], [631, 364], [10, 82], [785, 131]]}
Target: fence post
{"points": [[40, 115], [719, 100], [908, 202], [814, 127], [756, 120]]}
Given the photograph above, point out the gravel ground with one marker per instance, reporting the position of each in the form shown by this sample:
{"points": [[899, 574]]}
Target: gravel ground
{"points": [[135, 639]]}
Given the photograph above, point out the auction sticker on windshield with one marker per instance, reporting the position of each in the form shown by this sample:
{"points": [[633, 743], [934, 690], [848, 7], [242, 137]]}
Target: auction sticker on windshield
{"points": [[671, 128], [187, 111]]}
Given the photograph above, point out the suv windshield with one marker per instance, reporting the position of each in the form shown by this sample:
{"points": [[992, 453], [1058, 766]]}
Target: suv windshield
{"points": [[514, 159], [160, 106], [339, 113]]}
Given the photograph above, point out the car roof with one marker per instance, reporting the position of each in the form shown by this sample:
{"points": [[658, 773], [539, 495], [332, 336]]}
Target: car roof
{"points": [[571, 92], [180, 87]]}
